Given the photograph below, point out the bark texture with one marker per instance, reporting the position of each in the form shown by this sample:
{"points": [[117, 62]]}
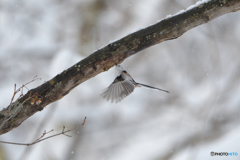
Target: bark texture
{"points": [[104, 58]]}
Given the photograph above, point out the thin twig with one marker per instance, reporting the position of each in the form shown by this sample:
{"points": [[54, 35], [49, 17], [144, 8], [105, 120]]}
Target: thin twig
{"points": [[21, 89], [14, 94], [45, 133]]}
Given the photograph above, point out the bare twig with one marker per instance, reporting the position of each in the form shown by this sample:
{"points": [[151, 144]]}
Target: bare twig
{"points": [[21, 89], [45, 133]]}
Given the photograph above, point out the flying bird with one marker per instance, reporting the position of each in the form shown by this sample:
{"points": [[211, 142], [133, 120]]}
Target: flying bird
{"points": [[122, 86]]}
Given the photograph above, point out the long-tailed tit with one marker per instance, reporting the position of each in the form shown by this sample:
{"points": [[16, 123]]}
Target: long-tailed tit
{"points": [[122, 86]]}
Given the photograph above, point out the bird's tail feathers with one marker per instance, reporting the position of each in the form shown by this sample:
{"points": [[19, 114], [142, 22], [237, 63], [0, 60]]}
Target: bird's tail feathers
{"points": [[144, 85]]}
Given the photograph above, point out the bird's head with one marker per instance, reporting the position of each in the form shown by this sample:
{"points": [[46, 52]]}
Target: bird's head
{"points": [[119, 69]]}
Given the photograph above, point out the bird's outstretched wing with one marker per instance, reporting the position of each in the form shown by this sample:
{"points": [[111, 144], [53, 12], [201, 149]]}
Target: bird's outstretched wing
{"points": [[118, 90]]}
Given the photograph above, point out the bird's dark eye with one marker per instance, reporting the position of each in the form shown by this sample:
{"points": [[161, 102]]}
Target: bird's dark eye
{"points": [[124, 71]]}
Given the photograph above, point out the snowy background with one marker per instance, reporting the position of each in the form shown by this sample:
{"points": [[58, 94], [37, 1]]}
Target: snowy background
{"points": [[200, 69]]}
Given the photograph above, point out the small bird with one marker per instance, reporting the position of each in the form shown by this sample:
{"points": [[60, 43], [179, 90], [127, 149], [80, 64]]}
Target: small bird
{"points": [[122, 86]]}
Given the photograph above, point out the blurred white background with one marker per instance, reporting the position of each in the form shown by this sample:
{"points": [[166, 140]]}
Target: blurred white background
{"points": [[200, 69]]}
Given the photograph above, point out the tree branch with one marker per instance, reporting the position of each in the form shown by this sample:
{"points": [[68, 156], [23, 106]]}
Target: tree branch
{"points": [[45, 133], [104, 58]]}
